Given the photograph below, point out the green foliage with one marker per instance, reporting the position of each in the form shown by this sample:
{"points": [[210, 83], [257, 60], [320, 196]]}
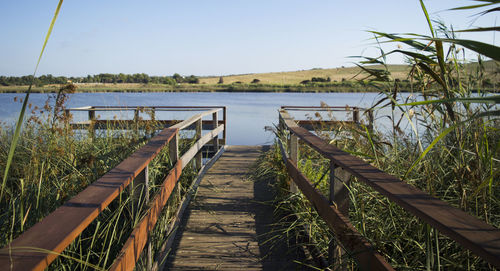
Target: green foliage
{"points": [[140, 78]]}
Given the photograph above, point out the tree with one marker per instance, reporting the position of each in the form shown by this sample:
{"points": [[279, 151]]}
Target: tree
{"points": [[178, 78]]}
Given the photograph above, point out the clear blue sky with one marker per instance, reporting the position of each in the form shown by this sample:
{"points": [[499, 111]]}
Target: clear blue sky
{"points": [[207, 37]]}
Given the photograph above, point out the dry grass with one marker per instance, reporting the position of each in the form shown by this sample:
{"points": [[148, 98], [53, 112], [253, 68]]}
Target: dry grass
{"points": [[295, 77]]}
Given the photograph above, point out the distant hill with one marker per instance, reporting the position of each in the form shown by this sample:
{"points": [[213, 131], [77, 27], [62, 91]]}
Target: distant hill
{"points": [[295, 77], [335, 74]]}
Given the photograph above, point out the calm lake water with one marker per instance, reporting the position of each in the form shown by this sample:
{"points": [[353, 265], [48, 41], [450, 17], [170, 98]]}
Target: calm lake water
{"points": [[247, 113]]}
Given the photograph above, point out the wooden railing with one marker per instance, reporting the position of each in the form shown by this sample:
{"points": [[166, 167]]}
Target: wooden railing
{"points": [[37, 247], [311, 124], [95, 123], [477, 236]]}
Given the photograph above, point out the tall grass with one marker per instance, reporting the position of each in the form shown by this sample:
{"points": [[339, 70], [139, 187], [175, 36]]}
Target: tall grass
{"points": [[54, 163], [444, 139]]}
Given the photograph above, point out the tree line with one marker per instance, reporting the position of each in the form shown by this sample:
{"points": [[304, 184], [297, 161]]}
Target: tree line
{"points": [[140, 78]]}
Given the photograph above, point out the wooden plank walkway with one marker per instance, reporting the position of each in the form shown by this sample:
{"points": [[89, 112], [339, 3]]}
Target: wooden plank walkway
{"points": [[228, 222]]}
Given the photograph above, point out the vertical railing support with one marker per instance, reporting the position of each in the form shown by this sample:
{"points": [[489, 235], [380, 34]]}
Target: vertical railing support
{"points": [[293, 146], [136, 114], [153, 114], [224, 118], [216, 138], [67, 115], [91, 115], [339, 196], [139, 189], [198, 136], [355, 115], [173, 149], [92, 122], [370, 119]]}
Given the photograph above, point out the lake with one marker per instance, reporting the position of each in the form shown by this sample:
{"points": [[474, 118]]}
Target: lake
{"points": [[247, 113]]}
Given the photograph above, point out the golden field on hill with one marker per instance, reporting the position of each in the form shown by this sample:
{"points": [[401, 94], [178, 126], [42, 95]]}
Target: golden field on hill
{"points": [[295, 77]]}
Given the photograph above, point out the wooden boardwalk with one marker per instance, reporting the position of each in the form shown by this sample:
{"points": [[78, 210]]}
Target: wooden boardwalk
{"points": [[228, 222]]}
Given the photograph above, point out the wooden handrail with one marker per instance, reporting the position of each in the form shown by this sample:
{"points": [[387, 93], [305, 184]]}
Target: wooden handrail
{"points": [[36, 248], [472, 233], [135, 244], [159, 108], [105, 124], [50, 236], [193, 119], [355, 243], [321, 108], [94, 123]]}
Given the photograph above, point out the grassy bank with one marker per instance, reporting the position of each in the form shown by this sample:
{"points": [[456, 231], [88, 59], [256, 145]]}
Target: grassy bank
{"points": [[342, 87], [348, 86], [340, 80]]}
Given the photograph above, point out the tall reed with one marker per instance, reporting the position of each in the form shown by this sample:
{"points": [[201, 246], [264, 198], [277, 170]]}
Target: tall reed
{"points": [[444, 138]]}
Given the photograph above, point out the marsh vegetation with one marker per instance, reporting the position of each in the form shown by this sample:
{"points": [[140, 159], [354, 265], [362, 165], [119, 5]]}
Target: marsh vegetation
{"points": [[444, 139]]}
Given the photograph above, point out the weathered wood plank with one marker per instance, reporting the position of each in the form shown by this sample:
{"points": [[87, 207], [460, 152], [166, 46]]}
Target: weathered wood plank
{"points": [[223, 226], [172, 228]]}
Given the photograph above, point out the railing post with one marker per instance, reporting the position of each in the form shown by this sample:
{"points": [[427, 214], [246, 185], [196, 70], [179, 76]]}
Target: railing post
{"points": [[216, 138], [173, 149], [198, 136], [153, 114], [92, 122], [66, 119], [293, 146], [224, 118], [141, 185], [281, 123], [136, 114], [370, 119], [339, 196], [355, 115]]}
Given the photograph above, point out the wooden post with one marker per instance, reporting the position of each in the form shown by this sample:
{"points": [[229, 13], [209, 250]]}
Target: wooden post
{"points": [[339, 196], [92, 122], [293, 145], [216, 138], [370, 119], [199, 157], [136, 114], [173, 149], [355, 115], [140, 187], [153, 114], [281, 124], [67, 120], [224, 118], [91, 115]]}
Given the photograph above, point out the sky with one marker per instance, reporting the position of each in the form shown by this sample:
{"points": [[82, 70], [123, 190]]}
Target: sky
{"points": [[218, 37]]}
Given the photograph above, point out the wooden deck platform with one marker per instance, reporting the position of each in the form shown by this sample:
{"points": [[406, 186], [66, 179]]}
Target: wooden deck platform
{"points": [[229, 221]]}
